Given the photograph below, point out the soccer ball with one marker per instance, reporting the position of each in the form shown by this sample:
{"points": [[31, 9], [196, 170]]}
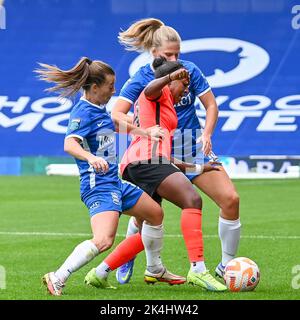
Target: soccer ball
{"points": [[241, 274]]}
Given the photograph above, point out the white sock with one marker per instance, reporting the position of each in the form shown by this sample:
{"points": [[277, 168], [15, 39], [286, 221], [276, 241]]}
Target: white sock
{"points": [[152, 237], [81, 255], [229, 233], [198, 266], [132, 227], [103, 270]]}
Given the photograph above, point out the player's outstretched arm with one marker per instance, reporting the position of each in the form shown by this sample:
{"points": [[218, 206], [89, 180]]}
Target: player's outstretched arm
{"points": [[124, 123], [120, 116], [73, 147], [154, 88], [209, 102], [187, 167]]}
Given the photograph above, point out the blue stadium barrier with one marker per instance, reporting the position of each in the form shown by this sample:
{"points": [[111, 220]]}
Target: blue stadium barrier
{"points": [[10, 166]]}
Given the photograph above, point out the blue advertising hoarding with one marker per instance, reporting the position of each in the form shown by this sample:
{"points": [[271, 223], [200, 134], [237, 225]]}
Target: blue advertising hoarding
{"points": [[248, 50]]}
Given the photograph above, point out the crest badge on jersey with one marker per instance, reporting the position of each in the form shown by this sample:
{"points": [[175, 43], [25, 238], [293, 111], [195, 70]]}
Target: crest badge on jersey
{"points": [[95, 205], [74, 124]]}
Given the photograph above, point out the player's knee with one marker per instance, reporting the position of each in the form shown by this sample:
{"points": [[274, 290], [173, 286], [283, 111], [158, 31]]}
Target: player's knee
{"points": [[193, 201], [231, 205], [157, 216], [103, 243], [233, 200]]}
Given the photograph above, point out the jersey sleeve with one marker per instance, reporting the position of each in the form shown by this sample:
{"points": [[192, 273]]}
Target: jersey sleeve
{"points": [[132, 88], [199, 82], [165, 94], [79, 125]]}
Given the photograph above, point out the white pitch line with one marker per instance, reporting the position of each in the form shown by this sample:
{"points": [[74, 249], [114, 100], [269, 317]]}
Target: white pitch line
{"points": [[67, 234]]}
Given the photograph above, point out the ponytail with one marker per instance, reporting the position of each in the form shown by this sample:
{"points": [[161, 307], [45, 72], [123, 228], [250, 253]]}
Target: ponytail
{"points": [[82, 75], [145, 34]]}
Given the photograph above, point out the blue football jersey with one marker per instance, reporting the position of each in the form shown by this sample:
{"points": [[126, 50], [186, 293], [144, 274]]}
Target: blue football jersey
{"points": [[93, 126], [185, 109]]}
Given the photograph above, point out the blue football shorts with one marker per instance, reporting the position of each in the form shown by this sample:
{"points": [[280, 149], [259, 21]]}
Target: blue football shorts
{"points": [[118, 197]]}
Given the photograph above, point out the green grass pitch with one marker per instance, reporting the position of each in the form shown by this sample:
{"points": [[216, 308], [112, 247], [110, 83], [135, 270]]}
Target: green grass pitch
{"points": [[42, 219]]}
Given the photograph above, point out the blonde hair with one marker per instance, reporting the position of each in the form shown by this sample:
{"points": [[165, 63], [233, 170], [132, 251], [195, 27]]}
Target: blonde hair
{"points": [[146, 34], [82, 75]]}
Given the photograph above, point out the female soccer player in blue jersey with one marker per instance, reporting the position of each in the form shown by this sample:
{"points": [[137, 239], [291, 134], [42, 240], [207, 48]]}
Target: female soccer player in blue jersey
{"points": [[90, 139], [160, 40]]}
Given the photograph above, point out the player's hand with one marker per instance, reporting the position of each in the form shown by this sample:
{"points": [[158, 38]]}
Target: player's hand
{"points": [[211, 166], [156, 133], [180, 75], [98, 163], [206, 144]]}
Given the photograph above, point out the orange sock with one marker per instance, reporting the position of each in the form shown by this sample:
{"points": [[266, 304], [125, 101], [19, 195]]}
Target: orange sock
{"points": [[125, 251], [191, 228]]}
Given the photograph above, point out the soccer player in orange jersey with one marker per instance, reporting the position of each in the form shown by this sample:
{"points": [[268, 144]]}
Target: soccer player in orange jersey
{"points": [[147, 163]]}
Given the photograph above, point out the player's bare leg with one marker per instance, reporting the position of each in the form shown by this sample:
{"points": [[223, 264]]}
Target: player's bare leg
{"points": [[218, 186], [104, 226]]}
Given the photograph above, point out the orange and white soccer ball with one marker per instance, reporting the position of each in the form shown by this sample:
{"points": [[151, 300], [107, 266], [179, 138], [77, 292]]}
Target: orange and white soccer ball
{"points": [[241, 274]]}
